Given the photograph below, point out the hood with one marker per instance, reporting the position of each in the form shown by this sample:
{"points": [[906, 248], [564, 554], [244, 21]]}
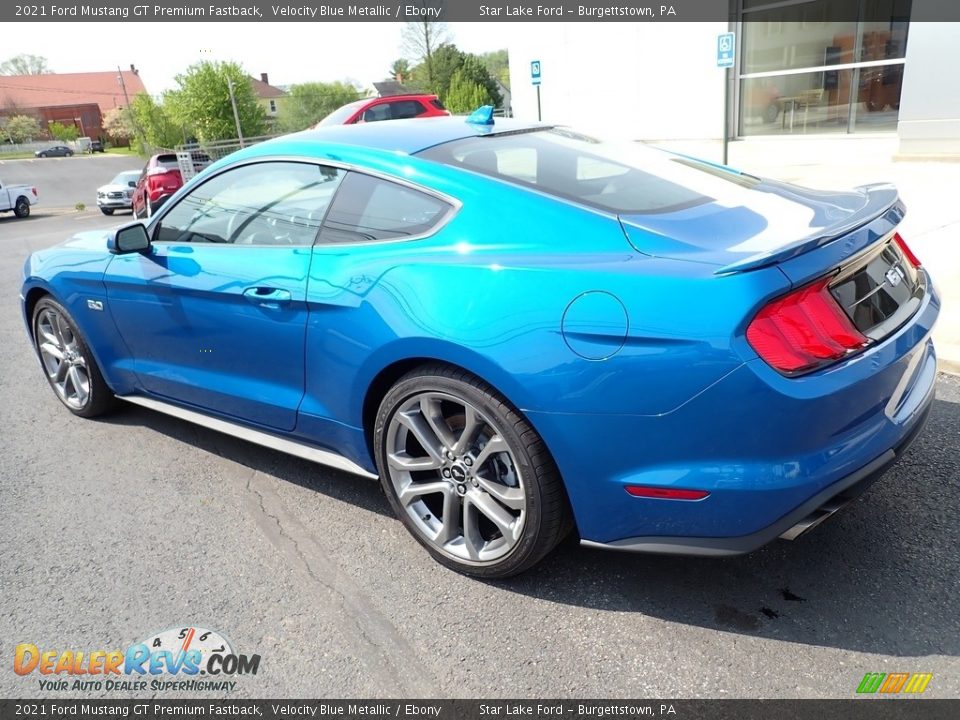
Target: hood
{"points": [[756, 226], [114, 188]]}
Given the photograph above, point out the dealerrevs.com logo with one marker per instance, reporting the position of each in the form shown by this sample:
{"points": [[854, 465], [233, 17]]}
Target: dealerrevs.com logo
{"points": [[183, 653]]}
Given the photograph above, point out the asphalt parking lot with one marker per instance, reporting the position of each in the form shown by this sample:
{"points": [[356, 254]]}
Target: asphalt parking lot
{"points": [[63, 182], [114, 529]]}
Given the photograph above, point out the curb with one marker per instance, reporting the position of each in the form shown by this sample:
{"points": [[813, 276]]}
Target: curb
{"points": [[948, 359]]}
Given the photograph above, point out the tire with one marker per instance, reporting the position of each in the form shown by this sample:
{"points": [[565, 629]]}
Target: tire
{"points": [[106, 211], [22, 208], [512, 497], [67, 362], [43, 155]]}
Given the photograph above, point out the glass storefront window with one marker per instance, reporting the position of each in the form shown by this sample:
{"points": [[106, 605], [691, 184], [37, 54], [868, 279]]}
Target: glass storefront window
{"points": [[791, 45], [815, 102], [799, 36]]}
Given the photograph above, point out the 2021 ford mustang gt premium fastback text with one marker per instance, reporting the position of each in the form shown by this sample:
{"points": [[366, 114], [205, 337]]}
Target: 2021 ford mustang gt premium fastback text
{"points": [[521, 330]]}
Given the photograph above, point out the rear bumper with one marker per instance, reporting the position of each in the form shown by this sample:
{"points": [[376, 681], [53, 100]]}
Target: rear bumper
{"points": [[802, 519], [771, 451]]}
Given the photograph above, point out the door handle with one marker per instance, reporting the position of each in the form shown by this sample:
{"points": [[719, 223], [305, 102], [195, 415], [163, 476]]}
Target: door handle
{"points": [[267, 296]]}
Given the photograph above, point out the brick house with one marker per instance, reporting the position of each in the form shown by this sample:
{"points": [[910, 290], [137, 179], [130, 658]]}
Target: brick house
{"points": [[79, 99]]}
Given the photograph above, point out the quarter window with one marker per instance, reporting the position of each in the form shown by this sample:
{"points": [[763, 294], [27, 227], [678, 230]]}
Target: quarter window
{"points": [[271, 203], [368, 208]]}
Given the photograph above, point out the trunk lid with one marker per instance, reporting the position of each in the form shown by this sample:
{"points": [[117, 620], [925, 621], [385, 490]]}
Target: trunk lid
{"points": [[767, 224]]}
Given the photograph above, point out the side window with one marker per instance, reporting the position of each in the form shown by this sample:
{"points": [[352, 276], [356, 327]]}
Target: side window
{"points": [[269, 203], [404, 109], [368, 208], [377, 113]]}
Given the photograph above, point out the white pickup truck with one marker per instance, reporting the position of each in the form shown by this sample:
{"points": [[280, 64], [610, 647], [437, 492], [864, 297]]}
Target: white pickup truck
{"points": [[17, 199]]}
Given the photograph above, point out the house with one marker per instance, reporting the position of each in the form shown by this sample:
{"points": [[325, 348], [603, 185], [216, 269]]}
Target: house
{"points": [[79, 99], [270, 97]]}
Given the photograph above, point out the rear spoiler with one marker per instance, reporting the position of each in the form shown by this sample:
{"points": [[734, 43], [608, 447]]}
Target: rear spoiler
{"points": [[879, 198]]}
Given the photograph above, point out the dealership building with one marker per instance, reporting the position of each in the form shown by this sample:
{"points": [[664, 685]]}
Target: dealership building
{"points": [[804, 69]]}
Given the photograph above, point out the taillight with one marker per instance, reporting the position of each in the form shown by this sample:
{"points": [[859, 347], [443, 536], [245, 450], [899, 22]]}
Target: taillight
{"points": [[803, 330], [905, 249], [662, 493], [34, 191]]}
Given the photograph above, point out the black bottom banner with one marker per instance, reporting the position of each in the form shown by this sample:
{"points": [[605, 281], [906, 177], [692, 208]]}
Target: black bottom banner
{"points": [[858, 709]]}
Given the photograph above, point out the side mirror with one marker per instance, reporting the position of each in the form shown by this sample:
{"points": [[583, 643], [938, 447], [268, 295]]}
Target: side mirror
{"points": [[128, 239]]}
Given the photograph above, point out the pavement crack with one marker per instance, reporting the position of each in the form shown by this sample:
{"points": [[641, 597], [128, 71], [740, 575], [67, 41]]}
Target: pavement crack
{"points": [[384, 651]]}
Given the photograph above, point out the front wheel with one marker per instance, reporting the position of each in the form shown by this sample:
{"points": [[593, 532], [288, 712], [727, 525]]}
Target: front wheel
{"points": [[469, 477], [106, 211], [22, 208], [67, 361]]}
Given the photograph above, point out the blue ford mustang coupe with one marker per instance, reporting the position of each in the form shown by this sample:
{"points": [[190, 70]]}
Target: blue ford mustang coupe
{"points": [[523, 331]]}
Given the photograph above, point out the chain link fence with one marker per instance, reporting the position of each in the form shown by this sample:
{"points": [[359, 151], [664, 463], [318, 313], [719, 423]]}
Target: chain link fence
{"points": [[194, 157]]}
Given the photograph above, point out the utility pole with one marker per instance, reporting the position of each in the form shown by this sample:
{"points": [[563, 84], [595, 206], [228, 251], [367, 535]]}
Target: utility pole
{"points": [[236, 115], [133, 117]]}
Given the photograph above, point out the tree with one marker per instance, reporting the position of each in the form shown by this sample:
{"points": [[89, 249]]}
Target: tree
{"points": [[447, 59], [154, 120], [63, 133], [202, 101], [22, 128], [497, 63], [465, 95], [25, 64], [420, 39], [400, 70], [118, 123], [308, 103]]}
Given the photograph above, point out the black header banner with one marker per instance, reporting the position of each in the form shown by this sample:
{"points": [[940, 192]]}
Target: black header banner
{"points": [[451, 10], [859, 709]]}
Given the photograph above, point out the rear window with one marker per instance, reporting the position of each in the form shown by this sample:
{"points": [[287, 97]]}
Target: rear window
{"points": [[625, 178], [437, 104], [168, 161]]}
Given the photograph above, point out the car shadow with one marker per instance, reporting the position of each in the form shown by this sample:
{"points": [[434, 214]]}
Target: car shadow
{"points": [[880, 577]]}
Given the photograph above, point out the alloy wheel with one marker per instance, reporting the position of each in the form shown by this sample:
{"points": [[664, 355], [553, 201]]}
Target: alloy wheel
{"points": [[456, 477], [63, 359]]}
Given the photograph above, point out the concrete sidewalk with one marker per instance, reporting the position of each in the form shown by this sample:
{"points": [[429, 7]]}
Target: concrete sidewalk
{"points": [[929, 189]]}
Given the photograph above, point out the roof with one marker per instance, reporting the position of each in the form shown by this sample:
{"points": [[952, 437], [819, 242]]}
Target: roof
{"points": [[51, 89], [264, 90], [409, 136], [389, 88]]}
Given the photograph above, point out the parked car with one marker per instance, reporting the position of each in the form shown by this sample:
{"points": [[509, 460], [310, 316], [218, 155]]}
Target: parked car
{"points": [[18, 199], [96, 146], [118, 193], [54, 151], [159, 179], [396, 107], [520, 329]]}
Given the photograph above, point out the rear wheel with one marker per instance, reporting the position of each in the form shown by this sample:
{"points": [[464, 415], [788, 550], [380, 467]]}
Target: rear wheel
{"points": [[67, 361], [469, 477], [22, 208]]}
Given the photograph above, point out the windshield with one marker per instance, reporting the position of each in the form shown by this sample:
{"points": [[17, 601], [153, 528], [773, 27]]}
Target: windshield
{"points": [[337, 117], [126, 177], [626, 178]]}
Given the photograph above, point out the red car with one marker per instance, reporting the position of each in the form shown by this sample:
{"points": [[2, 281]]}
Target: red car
{"points": [[159, 180], [394, 107]]}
